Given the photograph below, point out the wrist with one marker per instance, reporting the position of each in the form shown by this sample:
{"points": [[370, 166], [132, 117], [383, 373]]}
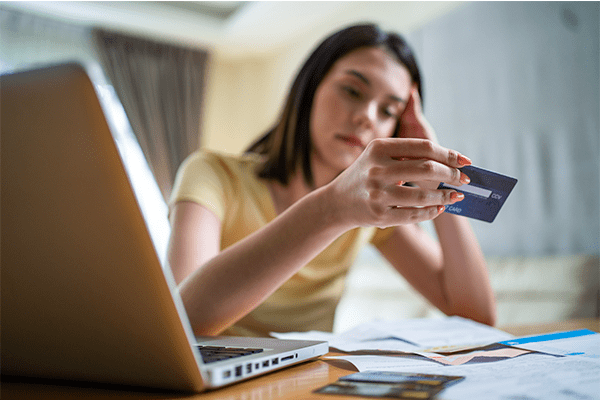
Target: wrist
{"points": [[329, 210]]}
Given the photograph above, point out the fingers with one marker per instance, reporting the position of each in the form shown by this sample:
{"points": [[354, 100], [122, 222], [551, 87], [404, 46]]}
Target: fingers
{"points": [[410, 215], [413, 107], [413, 123], [417, 160], [435, 200], [386, 162], [410, 148], [413, 112], [416, 99], [400, 196], [424, 170], [415, 205]]}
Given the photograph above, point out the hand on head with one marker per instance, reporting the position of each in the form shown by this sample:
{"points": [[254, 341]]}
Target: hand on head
{"points": [[413, 123]]}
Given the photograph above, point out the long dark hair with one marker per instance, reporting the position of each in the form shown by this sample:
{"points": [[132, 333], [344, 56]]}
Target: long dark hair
{"points": [[287, 144]]}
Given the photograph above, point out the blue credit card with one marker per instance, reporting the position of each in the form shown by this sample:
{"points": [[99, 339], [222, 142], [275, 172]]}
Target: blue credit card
{"points": [[484, 195]]}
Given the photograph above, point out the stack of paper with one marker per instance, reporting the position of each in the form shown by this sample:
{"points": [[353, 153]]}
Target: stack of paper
{"points": [[426, 337], [563, 365]]}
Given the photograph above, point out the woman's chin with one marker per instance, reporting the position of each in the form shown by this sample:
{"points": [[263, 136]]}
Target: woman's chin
{"points": [[346, 162], [341, 159]]}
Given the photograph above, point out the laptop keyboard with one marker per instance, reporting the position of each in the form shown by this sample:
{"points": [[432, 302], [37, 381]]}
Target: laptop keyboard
{"points": [[212, 354]]}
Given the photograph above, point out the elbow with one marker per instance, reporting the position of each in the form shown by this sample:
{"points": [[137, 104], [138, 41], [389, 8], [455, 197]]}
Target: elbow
{"points": [[489, 314], [482, 313], [203, 326], [204, 316], [206, 331], [488, 318]]}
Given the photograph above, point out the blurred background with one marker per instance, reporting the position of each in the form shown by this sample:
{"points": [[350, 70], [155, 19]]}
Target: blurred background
{"points": [[513, 85]]}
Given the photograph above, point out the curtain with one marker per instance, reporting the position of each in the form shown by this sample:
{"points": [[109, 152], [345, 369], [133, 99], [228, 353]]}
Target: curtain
{"points": [[160, 87]]}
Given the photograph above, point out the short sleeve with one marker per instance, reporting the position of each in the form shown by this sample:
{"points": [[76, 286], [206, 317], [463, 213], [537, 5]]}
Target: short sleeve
{"points": [[202, 179]]}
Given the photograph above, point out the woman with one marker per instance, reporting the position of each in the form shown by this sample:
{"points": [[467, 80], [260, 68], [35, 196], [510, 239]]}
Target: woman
{"points": [[262, 242]]}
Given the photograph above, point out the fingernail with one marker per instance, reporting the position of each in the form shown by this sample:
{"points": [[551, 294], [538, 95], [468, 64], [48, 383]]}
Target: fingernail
{"points": [[462, 160], [441, 209], [464, 178], [457, 196]]}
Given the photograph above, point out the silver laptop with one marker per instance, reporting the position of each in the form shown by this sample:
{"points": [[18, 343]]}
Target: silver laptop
{"points": [[84, 295]]}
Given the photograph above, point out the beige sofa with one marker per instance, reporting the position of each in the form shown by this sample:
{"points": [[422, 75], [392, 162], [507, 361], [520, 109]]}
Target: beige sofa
{"points": [[527, 289]]}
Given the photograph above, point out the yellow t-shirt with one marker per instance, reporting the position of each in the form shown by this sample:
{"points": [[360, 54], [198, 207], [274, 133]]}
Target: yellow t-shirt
{"points": [[228, 186]]}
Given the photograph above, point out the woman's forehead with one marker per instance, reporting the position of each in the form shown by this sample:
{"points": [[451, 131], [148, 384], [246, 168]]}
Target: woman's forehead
{"points": [[376, 64]]}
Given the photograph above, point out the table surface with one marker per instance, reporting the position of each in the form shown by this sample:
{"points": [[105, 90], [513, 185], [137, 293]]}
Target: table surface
{"points": [[297, 382]]}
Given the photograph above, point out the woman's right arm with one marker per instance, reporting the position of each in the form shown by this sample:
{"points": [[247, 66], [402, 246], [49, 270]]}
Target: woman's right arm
{"points": [[190, 244], [220, 287]]}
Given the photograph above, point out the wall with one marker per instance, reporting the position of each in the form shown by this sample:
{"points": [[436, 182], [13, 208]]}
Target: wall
{"points": [[515, 86], [236, 107]]}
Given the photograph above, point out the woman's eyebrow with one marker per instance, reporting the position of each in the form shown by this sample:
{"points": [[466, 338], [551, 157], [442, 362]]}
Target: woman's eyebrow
{"points": [[359, 76], [368, 83]]}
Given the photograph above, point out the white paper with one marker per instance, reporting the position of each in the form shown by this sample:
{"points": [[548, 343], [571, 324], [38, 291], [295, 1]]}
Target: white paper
{"points": [[408, 335], [436, 332], [531, 376], [573, 373], [385, 363], [389, 345]]}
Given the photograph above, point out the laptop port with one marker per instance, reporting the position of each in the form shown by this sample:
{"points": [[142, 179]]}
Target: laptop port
{"points": [[275, 361], [266, 363], [287, 358], [238, 370], [249, 368], [226, 374]]}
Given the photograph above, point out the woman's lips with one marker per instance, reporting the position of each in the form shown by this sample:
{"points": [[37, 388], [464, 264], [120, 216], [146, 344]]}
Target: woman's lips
{"points": [[352, 140]]}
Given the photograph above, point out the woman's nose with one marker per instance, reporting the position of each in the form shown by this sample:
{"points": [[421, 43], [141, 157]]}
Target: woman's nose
{"points": [[366, 116]]}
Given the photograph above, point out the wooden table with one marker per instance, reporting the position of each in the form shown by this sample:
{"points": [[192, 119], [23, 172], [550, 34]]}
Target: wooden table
{"points": [[296, 382]]}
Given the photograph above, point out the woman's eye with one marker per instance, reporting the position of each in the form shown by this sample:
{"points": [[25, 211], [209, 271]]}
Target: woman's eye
{"points": [[388, 112], [352, 92]]}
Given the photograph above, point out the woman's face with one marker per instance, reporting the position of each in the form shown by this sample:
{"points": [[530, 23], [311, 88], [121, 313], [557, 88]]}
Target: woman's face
{"points": [[361, 98]]}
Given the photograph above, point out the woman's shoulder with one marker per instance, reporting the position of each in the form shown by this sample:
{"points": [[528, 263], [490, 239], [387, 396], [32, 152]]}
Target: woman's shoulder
{"points": [[214, 157], [208, 171], [240, 165]]}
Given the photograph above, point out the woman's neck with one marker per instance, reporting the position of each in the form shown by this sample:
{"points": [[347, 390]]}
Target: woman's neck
{"points": [[285, 195]]}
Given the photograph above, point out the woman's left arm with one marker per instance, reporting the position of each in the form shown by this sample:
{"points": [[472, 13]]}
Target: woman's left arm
{"points": [[451, 273]]}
